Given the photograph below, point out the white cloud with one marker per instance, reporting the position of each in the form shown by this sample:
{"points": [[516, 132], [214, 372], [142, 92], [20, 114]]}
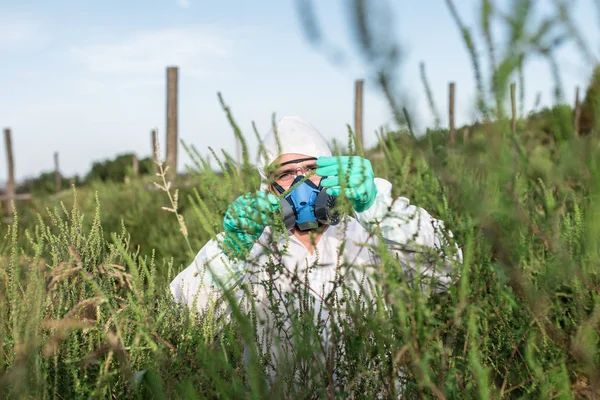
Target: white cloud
{"points": [[184, 3], [15, 33], [144, 55]]}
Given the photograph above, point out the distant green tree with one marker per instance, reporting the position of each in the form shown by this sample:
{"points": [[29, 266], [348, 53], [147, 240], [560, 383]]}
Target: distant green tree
{"points": [[116, 170], [555, 122], [591, 105], [45, 184]]}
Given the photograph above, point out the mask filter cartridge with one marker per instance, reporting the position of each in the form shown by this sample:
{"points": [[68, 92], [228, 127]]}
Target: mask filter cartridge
{"points": [[307, 205]]}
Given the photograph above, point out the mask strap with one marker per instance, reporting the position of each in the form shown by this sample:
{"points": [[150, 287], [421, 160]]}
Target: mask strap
{"points": [[278, 187]]}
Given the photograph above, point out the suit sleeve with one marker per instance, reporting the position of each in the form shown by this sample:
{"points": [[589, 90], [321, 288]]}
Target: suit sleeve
{"points": [[411, 233], [202, 284]]}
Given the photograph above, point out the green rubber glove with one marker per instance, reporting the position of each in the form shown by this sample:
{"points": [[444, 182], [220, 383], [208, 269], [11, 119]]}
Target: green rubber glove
{"points": [[245, 220], [357, 175]]}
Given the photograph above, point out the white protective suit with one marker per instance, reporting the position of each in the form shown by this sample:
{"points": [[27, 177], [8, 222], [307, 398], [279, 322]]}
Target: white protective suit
{"points": [[401, 223]]}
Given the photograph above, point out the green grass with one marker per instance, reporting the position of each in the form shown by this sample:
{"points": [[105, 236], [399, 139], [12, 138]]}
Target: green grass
{"points": [[86, 312], [85, 309]]}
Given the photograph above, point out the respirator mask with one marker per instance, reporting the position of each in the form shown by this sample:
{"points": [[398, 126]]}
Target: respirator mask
{"points": [[307, 205]]}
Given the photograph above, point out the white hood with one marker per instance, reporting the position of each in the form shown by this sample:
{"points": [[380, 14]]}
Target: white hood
{"points": [[295, 135]]}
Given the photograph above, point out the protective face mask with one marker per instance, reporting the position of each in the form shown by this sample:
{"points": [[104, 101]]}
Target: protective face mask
{"points": [[307, 205]]}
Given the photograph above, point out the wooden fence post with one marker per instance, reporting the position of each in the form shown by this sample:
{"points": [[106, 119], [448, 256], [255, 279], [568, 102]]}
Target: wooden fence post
{"points": [[10, 189], [513, 107], [57, 176], [452, 127], [577, 110], [135, 165], [155, 155], [358, 112], [172, 120]]}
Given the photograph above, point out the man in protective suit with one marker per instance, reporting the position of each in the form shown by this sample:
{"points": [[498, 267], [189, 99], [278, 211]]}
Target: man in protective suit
{"points": [[317, 246]]}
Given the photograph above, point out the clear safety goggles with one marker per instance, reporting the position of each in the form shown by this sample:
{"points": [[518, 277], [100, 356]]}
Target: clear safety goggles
{"points": [[285, 173]]}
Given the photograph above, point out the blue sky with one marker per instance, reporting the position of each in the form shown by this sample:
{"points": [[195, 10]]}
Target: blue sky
{"points": [[87, 78]]}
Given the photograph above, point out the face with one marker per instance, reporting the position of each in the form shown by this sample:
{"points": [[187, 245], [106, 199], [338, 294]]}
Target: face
{"points": [[288, 166]]}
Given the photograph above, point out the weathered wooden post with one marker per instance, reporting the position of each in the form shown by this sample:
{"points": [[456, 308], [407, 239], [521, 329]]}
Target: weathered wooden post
{"points": [[135, 165], [172, 118], [513, 106], [452, 127], [57, 176], [10, 189], [577, 112], [155, 155], [358, 111]]}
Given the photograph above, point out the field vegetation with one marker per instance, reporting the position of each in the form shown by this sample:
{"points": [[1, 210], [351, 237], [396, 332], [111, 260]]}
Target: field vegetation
{"points": [[85, 309]]}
